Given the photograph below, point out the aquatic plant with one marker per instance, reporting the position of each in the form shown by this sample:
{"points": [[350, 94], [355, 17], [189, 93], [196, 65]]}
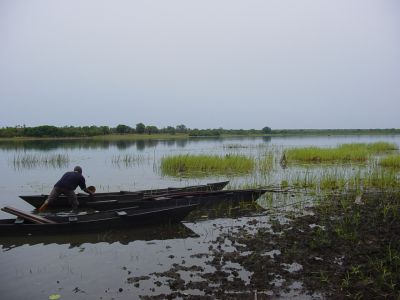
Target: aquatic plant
{"points": [[29, 161], [318, 155], [380, 178], [377, 147], [198, 165], [265, 163], [353, 152], [392, 161], [128, 160]]}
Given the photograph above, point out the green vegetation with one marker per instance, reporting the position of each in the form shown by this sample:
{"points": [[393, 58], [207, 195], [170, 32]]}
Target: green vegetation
{"points": [[266, 163], [141, 130], [343, 180], [318, 155], [128, 160], [48, 131], [355, 152], [366, 236], [392, 161], [28, 161], [200, 165]]}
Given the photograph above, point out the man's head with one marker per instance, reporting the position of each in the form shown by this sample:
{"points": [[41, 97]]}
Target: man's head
{"points": [[78, 169]]}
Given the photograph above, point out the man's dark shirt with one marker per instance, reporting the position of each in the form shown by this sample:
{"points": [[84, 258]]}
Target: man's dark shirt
{"points": [[71, 180]]}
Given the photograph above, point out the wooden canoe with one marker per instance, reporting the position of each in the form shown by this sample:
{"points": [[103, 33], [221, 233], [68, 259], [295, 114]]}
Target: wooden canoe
{"points": [[37, 200], [131, 217], [203, 198]]}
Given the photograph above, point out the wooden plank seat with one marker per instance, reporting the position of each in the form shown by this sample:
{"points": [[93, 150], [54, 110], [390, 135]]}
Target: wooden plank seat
{"points": [[27, 216]]}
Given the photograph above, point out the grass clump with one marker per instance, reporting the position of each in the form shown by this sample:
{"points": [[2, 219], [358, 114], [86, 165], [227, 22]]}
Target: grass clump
{"points": [[380, 179], [266, 163], [319, 155], [354, 152], [197, 165], [373, 148], [392, 161]]}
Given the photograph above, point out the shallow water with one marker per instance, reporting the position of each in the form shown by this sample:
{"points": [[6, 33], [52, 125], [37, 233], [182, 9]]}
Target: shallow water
{"points": [[129, 263]]}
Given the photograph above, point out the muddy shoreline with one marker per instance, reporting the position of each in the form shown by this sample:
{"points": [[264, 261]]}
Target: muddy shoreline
{"points": [[341, 248]]}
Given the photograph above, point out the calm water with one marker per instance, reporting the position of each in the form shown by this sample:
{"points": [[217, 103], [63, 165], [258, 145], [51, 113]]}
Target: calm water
{"points": [[98, 266]]}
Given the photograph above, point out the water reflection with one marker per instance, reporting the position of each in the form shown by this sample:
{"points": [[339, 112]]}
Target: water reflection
{"points": [[122, 236], [121, 144], [267, 139], [49, 145], [229, 208]]}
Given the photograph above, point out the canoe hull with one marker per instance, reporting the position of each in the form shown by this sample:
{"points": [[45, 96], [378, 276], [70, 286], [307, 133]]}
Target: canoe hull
{"points": [[126, 218], [62, 201], [201, 198]]}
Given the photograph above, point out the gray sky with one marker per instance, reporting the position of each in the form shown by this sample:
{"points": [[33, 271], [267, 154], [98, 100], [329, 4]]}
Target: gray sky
{"points": [[205, 64]]}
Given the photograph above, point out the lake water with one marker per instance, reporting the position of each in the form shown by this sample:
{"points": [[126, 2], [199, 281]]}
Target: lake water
{"points": [[102, 265]]}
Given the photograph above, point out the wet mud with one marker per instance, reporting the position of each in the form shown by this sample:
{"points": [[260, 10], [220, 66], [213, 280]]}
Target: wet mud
{"points": [[329, 251]]}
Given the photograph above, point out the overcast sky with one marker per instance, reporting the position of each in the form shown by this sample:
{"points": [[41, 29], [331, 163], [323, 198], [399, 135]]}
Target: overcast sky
{"points": [[205, 64]]}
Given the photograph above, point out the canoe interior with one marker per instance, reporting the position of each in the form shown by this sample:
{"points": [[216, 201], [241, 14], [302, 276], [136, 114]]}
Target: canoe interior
{"points": [[37, 200]]}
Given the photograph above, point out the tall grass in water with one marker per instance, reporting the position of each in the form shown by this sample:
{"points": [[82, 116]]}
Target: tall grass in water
{"points": [[127, 160], [198, 165], [343, 179], [265, 162], [380, 179], [354, 152], [29, 161], [392, 161], [373, 148], [318, 155]]}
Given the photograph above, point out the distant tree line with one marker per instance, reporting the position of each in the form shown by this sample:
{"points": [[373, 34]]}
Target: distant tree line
{"points": [[140, 128]]}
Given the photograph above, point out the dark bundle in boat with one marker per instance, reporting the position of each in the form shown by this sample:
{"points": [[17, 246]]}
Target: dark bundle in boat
{"points": [[37, 200], [27, 223]]}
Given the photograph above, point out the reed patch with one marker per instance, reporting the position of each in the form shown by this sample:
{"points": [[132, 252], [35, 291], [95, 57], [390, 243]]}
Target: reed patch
{"points": [[29, 161], [128, 160], [344, 153], [391, 161], [201, 165]]}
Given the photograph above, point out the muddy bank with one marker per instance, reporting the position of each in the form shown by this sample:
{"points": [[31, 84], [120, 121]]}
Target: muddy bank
{"points": [[348, 246]]}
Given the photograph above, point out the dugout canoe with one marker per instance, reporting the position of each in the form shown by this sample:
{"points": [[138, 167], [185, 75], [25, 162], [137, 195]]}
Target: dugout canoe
{"points": [[37, 200], [132, 217], [203, 198]]}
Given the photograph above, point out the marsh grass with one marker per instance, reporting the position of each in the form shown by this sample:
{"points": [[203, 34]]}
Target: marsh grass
{"points": [[304, 179], [128, 160], [201, 165], [327, 155], [380, 178], [367, 232], [391, 161], [339, 179], [29, 161], [344, 153], [266, 162]]}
